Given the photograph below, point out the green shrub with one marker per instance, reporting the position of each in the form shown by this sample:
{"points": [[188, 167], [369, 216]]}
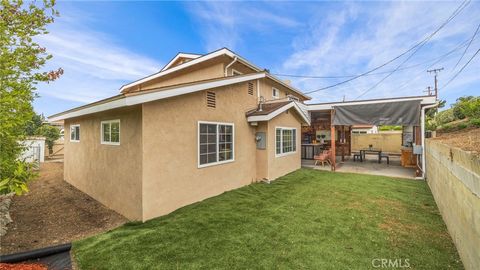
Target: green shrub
{"points": [[444, 117], [462, 126], [17, 182], [388, 128], [468, 106], [475, 122]]}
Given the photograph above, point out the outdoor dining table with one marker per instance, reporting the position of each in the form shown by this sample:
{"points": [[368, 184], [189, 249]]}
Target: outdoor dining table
{"points": [[371, 151]]}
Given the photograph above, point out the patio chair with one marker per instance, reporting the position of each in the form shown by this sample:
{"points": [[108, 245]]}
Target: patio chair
{"points": [[323, 157], [357, 155], [385, 156]]}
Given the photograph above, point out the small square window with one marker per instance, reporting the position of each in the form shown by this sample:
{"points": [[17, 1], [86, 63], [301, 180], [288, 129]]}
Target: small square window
{"points": [[275, 93], [110, 132], [75, 133]]}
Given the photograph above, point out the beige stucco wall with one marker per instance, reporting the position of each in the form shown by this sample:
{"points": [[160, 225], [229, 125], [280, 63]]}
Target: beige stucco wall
{"points": [[281, 165], [388, 142], [171, 175], [454, 179], [263, 154], [110, 174]]}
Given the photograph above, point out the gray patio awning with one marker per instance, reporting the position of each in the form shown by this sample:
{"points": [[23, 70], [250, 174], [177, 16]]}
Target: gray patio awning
{"points": [[401, 113]]}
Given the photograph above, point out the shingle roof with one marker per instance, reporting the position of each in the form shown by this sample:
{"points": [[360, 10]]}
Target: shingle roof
{"points": [[267, 108]]}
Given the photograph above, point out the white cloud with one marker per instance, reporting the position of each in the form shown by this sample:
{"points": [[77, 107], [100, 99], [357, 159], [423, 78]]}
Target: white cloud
{"points": [[95, 66], [361, 37], [223, 23]]}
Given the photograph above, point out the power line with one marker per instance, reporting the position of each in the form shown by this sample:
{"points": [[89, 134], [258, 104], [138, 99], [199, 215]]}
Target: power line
{"points": [[464, 66], [454, 14], [436, 59], [471, 40], [461, 45], [350, 76], [391, 60]]}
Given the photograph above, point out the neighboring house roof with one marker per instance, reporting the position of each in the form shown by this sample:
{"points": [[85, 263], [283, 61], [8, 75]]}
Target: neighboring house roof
{"points": [[362, 126], [179, 56], [267, 111]]}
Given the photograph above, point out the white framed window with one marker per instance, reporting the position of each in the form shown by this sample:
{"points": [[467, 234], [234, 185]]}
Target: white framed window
{"points": [[75, 133], [110, 132], [275, 93], [236, 72], [285, 141], [215, 143]]}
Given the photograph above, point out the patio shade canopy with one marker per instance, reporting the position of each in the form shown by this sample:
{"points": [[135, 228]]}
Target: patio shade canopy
{"points": [[401, 113]]}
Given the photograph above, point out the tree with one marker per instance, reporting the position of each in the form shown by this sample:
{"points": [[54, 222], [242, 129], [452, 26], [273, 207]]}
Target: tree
{"points": [[35, 123], [458, 111], [50, 133], [21, 61], [468, 106]]}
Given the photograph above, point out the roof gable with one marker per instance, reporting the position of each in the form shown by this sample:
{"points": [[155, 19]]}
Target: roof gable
{"points": [[179, 59]]}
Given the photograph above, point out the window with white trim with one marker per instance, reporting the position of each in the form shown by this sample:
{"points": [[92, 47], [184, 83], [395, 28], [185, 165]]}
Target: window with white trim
{"points": [[110, 132], [74, 133], [275, 93], [285, 141], [215, 143]]}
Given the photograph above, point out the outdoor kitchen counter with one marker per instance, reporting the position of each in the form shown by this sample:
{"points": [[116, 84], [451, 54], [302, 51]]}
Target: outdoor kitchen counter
{"points": [[310, 149]]}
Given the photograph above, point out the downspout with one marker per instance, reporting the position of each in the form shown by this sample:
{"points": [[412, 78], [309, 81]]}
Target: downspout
{"points": [[229, 65], [422, 130]]}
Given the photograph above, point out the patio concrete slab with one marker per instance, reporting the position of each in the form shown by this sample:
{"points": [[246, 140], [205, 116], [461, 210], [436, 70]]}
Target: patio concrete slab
{"points": [[368, 166]]}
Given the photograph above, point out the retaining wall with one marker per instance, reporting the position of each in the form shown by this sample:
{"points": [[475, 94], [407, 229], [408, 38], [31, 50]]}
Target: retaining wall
{"points": [[454, 179]]}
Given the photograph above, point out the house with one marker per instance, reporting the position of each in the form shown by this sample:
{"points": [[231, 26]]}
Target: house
{"points": [[202, 125], [364, 129]]}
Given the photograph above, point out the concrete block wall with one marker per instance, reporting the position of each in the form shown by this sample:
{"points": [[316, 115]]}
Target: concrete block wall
{"points": [[388, 142], [454, 179]]}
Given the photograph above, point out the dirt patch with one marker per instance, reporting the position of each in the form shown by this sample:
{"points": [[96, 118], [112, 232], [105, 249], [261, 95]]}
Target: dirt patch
{"points": [[22, 266], [54, 212], [467, 139]]}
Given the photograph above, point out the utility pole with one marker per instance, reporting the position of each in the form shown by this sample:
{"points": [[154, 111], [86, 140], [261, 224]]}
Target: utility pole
{"points": [[436, 71], [428, 91]]}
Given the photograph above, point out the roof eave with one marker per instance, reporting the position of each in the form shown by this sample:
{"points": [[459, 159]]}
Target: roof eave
{"points": [[273, 114], [140, 98]]}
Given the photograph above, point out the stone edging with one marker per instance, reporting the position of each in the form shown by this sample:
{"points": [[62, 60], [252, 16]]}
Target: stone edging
{"points": [[5, 201]]}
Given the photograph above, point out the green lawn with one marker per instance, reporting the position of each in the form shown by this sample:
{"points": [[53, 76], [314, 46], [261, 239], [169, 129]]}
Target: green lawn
{"points": [[308, 219]]}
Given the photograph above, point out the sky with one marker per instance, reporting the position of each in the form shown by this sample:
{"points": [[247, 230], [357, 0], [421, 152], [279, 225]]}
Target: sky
{"points": [[103, 45]]}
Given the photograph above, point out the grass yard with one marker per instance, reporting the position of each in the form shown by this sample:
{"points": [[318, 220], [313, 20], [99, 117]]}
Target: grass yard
{"points": [[308, 219]]}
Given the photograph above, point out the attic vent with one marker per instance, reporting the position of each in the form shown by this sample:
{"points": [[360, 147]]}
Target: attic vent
{"points": [[211, 101], [250, 88]]}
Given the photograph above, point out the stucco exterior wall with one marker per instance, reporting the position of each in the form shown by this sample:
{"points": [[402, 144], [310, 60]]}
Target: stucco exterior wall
{"points": [[281, 165], [388, 142], [263, 154], [204, 71], [454, 179], [110, 174], [171, 175]]}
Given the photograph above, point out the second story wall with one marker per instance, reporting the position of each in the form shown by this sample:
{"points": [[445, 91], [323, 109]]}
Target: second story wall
{"points": [[266, 90], [203, 71]]}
